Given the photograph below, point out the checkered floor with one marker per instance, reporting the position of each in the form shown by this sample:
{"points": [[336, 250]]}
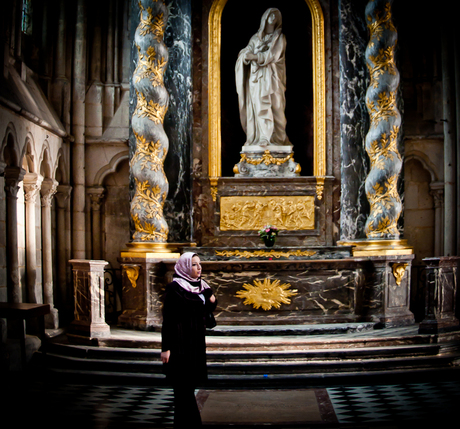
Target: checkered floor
{"points": [[107, 406]]}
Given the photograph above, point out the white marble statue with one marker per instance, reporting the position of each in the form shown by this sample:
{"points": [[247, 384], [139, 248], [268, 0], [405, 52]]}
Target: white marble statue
{"points": [[261, 83]]}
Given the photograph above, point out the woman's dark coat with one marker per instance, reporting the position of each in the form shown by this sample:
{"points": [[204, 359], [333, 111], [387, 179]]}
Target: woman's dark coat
{"points": [[183, 333]]}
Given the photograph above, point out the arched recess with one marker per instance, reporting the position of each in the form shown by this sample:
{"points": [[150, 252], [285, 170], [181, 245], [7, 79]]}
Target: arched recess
{"points": [[111, 167], [28, 158], [214, 93], [9, 153]]}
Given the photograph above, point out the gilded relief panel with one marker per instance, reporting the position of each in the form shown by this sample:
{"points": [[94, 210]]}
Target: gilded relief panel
{"points": [[250, 213]]}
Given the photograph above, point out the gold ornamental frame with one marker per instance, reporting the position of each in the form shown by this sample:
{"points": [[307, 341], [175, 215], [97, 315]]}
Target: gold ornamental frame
{"points": [[319, 95]]}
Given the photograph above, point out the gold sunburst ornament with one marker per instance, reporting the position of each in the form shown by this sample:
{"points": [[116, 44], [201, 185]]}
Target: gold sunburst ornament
{"points": [[266, 294]]}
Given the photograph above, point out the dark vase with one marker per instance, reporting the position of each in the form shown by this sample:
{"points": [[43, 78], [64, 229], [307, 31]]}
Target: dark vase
{"points": [[269, 241]]}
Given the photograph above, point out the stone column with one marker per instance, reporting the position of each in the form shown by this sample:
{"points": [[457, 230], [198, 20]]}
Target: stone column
{"points": [[62, 198], [96, 194], [78, 146], [48, 190], [88, 282], [32, 185], [13, 175], [385, 122], [150, 183], [437, 192], [450, 220]]}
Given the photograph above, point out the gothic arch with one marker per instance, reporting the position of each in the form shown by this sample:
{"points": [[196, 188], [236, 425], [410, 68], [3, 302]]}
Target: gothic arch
{"points": [[110, 168], [28, 157], [10, 150], [425, 161], [45, 162]]}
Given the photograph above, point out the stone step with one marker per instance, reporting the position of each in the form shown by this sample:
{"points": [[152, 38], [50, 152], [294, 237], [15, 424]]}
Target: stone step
{"points": [[258, 359]]}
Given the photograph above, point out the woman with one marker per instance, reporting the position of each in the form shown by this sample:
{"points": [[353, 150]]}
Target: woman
{"points": [[188, 300], [260, 74]]}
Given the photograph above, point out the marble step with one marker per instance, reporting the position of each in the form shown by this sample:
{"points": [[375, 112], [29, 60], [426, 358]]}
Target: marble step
{"points": [[230, 363]]}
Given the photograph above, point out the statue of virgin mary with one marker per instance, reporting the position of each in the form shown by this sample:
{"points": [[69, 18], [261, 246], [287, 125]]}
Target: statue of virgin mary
{"points": [[260, 73]]}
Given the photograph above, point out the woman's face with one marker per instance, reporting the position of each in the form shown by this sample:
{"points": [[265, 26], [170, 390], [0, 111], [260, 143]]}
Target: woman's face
{"points": [[196, 267], [272, 18]]}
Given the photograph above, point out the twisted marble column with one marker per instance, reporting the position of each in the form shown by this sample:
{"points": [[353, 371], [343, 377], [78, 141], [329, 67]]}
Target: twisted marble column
{"points": [[385, 122], [151, 185]]}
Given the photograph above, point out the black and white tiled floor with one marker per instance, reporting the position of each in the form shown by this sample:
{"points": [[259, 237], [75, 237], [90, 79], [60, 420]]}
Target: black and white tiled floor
{"points": [[66, 405]]}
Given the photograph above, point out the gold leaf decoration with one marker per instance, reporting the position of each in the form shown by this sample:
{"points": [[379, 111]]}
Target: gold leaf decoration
{"points": [[266, 294], [264, 253]]}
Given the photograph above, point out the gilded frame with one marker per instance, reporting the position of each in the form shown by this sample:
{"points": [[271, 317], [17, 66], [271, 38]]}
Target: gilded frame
{"points": [[214, 95]]}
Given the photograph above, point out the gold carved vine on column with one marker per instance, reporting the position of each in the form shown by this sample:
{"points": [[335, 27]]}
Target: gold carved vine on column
{"points": [[318, 86], [151, 24], [146, 165], [382, 105], [252, 213]]}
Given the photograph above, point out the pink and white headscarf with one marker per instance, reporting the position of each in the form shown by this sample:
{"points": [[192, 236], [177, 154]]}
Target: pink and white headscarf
{"points": [[183, 270]]}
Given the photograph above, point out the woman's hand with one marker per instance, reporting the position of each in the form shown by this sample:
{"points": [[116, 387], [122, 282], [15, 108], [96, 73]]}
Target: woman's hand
{"points": [[165, 356], [212, 299]]}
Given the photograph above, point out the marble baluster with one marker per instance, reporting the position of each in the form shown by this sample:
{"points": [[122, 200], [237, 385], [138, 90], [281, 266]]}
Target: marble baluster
{"points": [[48, 190], [32, 185]]}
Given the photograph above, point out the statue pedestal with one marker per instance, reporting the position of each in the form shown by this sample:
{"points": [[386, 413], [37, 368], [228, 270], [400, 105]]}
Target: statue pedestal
{"points": [[267, 161]]}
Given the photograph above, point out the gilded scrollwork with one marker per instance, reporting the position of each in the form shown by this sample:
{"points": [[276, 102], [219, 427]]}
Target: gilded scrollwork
{"points": [[252, 213], [265, 253], [132, 272], [267, 158], [399, 270], [266, 294]]}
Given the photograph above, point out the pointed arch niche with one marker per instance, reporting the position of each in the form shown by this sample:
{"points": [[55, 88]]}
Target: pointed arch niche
{"points": [[305, 46]]}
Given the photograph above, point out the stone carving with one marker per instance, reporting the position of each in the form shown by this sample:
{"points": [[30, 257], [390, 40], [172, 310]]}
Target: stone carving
{"points": [[252, 213], [151, 185], [261, 83], [260, 75]]}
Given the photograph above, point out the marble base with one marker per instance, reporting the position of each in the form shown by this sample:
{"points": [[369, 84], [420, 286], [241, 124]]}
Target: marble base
{"points": [[441, 295], [143, 281]]}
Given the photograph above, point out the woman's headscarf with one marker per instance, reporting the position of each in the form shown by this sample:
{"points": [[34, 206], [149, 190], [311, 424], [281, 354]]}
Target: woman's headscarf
{"points": [[183, 271]]}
